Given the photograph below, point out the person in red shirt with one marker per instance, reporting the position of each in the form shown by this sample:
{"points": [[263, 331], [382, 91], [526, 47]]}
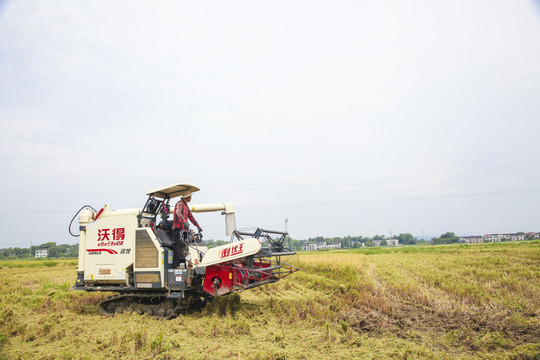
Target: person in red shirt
{"points": [[181, 216]]}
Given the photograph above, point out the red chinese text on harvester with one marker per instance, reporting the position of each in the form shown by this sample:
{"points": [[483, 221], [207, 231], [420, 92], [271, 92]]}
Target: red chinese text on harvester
{"points": [[230, 251], [108, 237]]}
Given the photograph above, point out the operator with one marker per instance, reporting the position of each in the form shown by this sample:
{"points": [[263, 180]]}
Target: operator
{"points": [[181, 216]]}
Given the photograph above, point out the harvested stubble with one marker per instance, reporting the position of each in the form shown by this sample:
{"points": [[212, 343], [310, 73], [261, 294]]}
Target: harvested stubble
{"points": [[443, 302]]}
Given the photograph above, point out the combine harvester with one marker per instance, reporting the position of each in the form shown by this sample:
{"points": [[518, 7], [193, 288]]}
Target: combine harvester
{"points": [[130, 253]]}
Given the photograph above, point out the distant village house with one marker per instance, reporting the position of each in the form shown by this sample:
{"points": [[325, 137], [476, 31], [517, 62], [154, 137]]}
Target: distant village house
{"points": [[471, 239], [313, 247], [309, 247], [41, 253], [498, 237], [389, 242]]}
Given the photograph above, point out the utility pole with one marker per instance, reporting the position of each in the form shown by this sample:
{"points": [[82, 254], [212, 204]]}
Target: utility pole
{"points": [[287, 231]]}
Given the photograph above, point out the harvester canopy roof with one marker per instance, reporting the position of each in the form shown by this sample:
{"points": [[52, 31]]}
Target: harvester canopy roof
{"points": [[172, 191]]}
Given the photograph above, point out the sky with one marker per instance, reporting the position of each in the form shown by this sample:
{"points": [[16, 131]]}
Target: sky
{"points": [[343, 117]]}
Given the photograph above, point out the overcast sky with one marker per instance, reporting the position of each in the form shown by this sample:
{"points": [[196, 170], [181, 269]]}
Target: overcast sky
{"points": [[344, 117]]}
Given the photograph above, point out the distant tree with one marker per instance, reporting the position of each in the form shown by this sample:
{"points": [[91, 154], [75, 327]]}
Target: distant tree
{"points": [[346, 242], [378, 237], [47, 245], [53, 252], [296, 244], [384, 242], [4, 253], [446, 238], [73, 251], [213, 243], [406, 239]]}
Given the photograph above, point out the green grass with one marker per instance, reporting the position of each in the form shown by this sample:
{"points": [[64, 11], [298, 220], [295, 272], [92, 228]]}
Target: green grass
{"points": [[32, 263], [424, 302], [452, 248]]}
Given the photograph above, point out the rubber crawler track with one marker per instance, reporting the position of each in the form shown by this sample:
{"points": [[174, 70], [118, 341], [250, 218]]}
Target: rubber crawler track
{"points": [[156, 305]]}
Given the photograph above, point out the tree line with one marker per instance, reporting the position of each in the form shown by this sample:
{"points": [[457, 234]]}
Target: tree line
{"points": [[347, 242], [451, 238], [353, 242], [53, 250]]}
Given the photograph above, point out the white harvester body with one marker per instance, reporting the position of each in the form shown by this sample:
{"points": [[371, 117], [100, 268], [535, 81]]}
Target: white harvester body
{"points": [[128, 251]]}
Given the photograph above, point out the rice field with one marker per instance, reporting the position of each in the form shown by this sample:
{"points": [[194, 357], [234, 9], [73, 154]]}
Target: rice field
{"points": [[432, 302]]}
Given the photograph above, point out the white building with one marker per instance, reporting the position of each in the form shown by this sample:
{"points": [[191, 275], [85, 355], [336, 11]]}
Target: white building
{"points": [[504, 237], [357, 244], [313, 247], [309, 247], [513, 237], [471, 239], [41, 253], [492, 237], [389, 242], [333, 246]]}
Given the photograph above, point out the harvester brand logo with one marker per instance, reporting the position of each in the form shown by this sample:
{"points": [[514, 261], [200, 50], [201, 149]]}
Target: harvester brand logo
{"points": [[116, 237], [110, 251], [230, 251], [98, 251]]}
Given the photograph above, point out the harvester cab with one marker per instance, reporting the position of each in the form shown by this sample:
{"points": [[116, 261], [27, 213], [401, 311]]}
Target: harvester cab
{"points": [[130, 252]]}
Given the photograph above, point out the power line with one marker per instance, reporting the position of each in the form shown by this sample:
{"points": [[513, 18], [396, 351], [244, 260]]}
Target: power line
{"points": [[412, 198], [68, 194], [378, 182], [373, 182], [392, 199]]}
